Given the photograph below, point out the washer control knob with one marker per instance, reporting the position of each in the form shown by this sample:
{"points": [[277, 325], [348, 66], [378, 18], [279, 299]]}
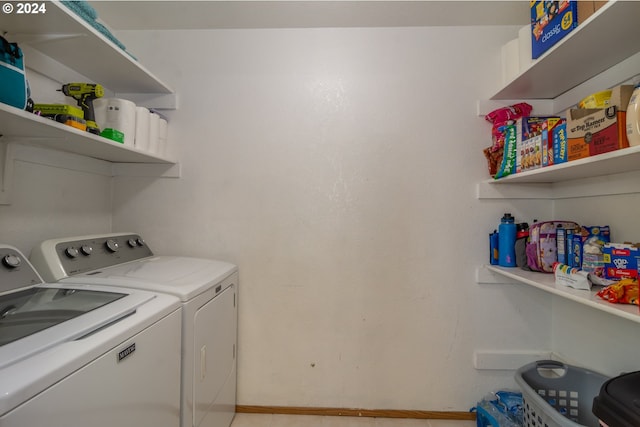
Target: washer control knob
{"points": [[11, 261], [140, 241], [112, 245], [71, 252], [86, 250], [132, 243]]}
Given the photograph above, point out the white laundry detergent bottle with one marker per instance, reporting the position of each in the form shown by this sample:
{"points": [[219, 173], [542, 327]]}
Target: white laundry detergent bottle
{"points": [[633, 118]]}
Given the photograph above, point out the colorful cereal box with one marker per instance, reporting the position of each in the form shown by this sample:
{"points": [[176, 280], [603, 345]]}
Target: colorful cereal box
{"points": [[550, 22]]}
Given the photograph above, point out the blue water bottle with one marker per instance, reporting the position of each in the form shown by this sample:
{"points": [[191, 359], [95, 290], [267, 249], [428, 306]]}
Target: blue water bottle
{"points": [[507, 241]]}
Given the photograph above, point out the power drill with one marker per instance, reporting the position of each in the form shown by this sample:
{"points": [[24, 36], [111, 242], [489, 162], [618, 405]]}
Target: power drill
{"points": [[85, 93]]}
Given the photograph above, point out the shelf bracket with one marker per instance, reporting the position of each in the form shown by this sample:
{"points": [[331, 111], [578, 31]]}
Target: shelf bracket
{"points": [[6, 170]]}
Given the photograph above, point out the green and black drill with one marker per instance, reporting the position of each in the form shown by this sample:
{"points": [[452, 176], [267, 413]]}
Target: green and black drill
{"points": [[85, 93]]}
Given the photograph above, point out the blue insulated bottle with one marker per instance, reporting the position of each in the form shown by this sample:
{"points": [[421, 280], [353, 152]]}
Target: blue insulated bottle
{"points": [[507, 241]]}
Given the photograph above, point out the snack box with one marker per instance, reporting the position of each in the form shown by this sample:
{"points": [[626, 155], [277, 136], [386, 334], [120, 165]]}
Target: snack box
{"points": [[585, 248], [620, 260], [587, 8], [529, 154], [533, 142], [547, 139], [550, 22], [559, 137], [596, 131]]}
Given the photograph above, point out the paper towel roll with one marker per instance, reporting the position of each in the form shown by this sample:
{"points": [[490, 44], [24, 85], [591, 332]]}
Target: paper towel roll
{"points": [[118, 114], [510, 61], [154, 123], [524, 48], [142, 129]]}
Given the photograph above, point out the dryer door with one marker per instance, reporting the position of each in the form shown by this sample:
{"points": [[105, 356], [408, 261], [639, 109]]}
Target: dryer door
{"points": [[214, 358]]}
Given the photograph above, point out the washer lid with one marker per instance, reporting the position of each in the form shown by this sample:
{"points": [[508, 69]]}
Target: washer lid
{"points": [[35, 319], [184, 277]]}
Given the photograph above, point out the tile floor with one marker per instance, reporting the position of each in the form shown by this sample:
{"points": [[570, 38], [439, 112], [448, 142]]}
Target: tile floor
{"points": [[276, 420]]}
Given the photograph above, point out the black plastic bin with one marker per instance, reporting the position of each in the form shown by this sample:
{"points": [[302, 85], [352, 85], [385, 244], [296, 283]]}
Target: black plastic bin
{"points": [[617, 403]]}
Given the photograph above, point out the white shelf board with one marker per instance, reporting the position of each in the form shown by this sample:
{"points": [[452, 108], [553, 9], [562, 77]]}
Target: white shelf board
{"points": [[546, 282], [62, 35], [22, 126], [619, 161], [606, 38]]}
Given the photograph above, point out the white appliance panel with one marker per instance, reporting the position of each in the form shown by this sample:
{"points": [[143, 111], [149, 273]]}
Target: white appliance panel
{"points": [[207, 290], [120, 388], [180, 276], [214, 351]]}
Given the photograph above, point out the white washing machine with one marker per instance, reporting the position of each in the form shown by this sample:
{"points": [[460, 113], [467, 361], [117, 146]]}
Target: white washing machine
{"points": [[208, 292], [73, 355]]}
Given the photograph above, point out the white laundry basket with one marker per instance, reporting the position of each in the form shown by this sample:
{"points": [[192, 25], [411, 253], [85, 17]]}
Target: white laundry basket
{"points": [[555, 394]]}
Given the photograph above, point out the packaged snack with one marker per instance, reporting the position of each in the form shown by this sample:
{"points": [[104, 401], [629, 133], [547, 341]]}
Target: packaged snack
{"points": [[623, 292], [621, 260], [534, 141], [588, 247], [559, 138], [572, 277], [508, 165], [550, 22], [499, 118]]}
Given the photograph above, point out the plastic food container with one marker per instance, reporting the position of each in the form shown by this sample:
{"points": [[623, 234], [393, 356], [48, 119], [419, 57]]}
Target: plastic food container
{"points": [[616, 405], [555, 394]]}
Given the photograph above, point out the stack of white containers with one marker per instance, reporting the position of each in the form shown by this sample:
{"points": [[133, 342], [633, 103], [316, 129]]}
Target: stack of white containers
{"points": [[516, 55], [144, 130]]}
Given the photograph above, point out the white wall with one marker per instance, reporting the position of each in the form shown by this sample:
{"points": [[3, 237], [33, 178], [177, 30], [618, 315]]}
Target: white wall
{"points": [[337, 168]]}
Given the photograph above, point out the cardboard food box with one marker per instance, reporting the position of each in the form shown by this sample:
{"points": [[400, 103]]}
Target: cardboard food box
{"points": [[529, 154], [559, 137], [547, 139], [533, 141], [588, 8], [550, 22], [596, 131], [620, 260]]}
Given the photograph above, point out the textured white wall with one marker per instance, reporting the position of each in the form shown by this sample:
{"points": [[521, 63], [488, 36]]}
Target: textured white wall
{"points": [[337, 168]]}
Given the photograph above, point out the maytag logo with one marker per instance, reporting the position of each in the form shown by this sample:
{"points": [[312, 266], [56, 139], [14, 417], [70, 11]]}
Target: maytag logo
{"points": [[126, 352]]}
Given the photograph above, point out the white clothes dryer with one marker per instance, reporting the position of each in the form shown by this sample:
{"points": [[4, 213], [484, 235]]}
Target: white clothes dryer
{"points": [[206, 288], [79, 354]]}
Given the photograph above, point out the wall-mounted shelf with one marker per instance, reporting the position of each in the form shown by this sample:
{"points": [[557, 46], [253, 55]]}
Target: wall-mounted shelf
{"points": [[65, 37], [605, 39], [546, 282], [61, 42], [623, 160], [21, 126]]}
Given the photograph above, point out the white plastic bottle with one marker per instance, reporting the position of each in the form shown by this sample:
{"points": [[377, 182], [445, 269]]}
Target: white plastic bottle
{"points": [[633, 117]]}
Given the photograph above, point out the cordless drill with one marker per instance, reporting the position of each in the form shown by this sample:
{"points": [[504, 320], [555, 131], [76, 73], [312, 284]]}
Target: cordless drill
{"points": [[85, 93]]}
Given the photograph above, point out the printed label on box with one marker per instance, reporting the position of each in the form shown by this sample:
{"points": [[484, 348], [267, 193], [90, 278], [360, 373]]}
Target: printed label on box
{"points": [[550, 22], [621, 260], [560, 142], [592, 132]]}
